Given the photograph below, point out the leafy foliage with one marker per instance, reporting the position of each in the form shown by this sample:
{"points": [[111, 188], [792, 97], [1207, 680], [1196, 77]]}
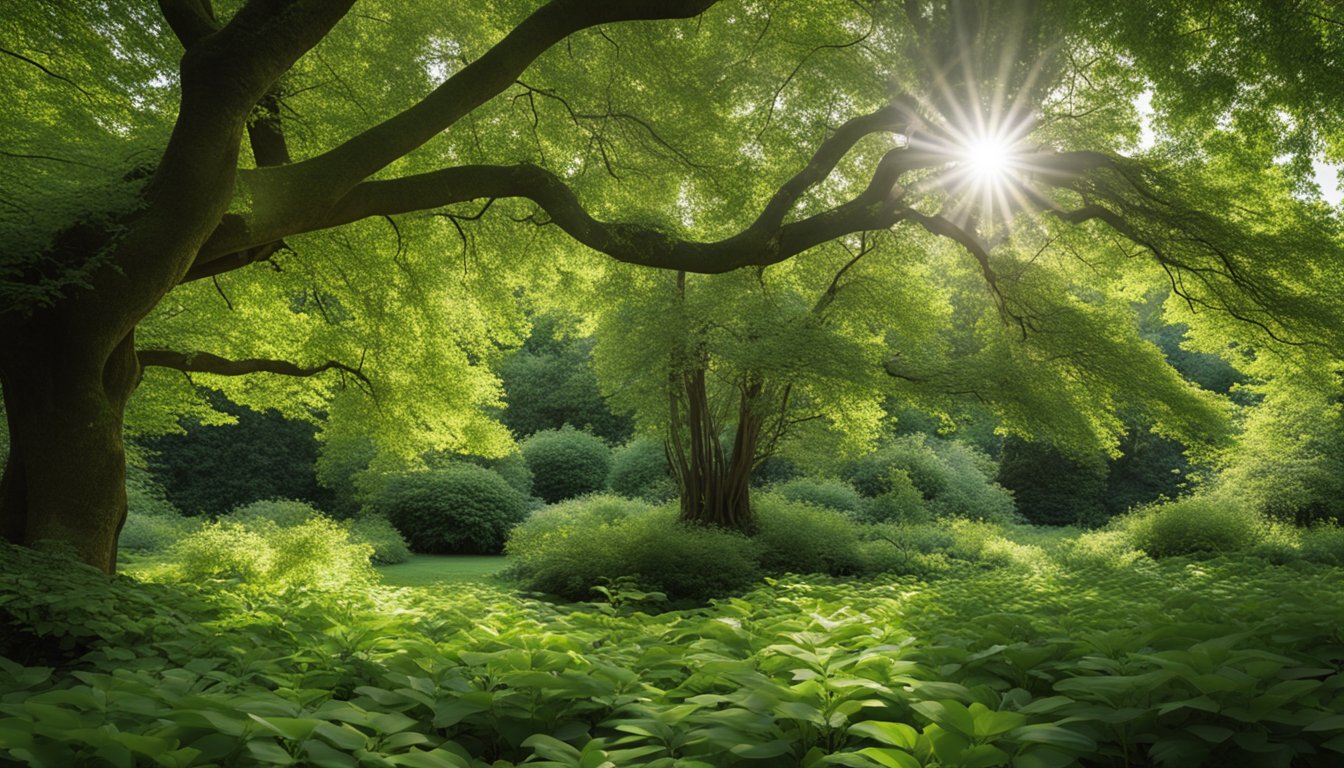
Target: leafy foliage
{"points": [[639, 470], [568, 548], [549, 384], [1167, 663], [211, 469], [457, 509], [953, 480], [315, 552], [1052, 487], [1194, 525], [799, 537], [566, 463], [831, 494]]}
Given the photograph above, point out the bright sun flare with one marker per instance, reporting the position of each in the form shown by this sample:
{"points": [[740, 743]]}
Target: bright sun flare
{"points": [[987, 158]]}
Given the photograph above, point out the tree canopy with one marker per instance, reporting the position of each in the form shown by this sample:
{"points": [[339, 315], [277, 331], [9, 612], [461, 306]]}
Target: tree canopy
{"points": [[365, 203]]}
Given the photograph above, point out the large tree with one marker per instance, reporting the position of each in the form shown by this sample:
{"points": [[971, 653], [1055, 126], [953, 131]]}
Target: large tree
{"points": [[212, 189]]}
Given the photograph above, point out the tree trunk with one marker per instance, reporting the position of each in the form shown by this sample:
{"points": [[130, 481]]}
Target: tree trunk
{"points": [[65, 479], [714, 484]]}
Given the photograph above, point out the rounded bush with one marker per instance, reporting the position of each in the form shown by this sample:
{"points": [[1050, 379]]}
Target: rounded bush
{"points": [[829, 494], [146, 532], [802, 538], [639, 470], [569, 548], [951, 477], [389, 547], [900, 503], [458, 509], [1194, 525], [566, 463]]}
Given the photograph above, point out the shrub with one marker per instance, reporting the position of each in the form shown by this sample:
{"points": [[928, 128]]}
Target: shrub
{"points": [[900, 503], [512, 467], [952, 478], [1194, 525], [1323, 544], [884, 557], [1051, 487], [569, 548], [149, 533], [830, 494], [389, 547], [316, 553], [802, 538], [283, 512], [458, 509], [566, 463], [639, 470], [153, 524]]}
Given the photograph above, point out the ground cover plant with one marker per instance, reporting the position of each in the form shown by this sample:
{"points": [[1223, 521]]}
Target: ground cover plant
{"points": [[1061, 653]]}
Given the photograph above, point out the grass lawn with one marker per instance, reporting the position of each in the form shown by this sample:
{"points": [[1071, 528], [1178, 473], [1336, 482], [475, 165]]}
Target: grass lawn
{"points": [[424, 570]]}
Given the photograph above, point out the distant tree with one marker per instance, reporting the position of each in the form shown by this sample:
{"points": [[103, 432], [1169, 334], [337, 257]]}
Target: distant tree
{"points": [[548, 384], [212, 469]]}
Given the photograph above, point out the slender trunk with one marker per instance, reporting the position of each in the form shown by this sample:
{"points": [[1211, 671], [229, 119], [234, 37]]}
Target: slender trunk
{"points": [[65, 478], [714, 484]]}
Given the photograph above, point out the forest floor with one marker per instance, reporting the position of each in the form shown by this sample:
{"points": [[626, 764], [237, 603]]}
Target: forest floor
{"points": [[426, 570]]}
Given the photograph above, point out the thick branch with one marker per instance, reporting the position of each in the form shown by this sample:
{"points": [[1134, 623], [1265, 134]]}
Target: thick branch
{"points": [[766, 241], [204, 362], [331, 174], [190, 20]]}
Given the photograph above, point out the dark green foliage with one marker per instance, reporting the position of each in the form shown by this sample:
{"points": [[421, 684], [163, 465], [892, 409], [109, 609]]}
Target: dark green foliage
{"points": [[774, 470], [1051, 487], [830, 494], [457, 509], [342, 467], [548, 384], [512, 467], [1150, 467], [210, 470], [901, 502], [566, 463], [639, 470], [54, 610], [569, 548], [1198, 525], [953, 479], [1324, 544], [796, 537]]}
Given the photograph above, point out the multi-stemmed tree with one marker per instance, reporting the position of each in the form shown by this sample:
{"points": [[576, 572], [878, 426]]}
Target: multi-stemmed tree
{"points": [[237, 187]]}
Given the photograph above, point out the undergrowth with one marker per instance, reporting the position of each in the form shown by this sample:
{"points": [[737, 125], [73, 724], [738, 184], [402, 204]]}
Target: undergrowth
{"points": [[1105, 662]]}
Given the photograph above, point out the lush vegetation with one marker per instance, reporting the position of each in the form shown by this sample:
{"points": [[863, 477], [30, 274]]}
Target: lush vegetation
{"points": [[672, 383], [1055, 651]]}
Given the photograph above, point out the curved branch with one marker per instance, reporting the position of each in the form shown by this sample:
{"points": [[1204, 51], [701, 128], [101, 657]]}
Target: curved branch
{"points": [[767, 240], [331, 174], [204, 362]]}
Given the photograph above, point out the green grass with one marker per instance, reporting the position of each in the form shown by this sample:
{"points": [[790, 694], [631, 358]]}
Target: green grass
{"points": [[426, 570]]}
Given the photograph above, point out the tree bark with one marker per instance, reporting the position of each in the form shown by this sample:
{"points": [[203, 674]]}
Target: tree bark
{"points": [[65, 478], [714, 484]]}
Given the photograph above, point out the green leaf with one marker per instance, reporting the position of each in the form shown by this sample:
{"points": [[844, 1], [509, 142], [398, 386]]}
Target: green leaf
{"points": [[951, 715], [890, 758], [893, 734]]}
